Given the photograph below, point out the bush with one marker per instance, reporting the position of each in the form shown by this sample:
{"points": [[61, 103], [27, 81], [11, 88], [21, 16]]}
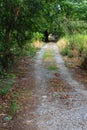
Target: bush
{"points": [[37, 36], [13, 107], [29, 50], [6, 83], [65, 51], [76, 42]]}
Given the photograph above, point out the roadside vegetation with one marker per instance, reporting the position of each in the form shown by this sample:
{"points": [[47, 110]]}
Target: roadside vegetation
{"points": [[9, 95], [75, 47]]}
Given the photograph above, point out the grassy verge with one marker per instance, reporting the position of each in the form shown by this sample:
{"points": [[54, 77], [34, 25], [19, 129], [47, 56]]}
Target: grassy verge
{"points": [[7, 78], [13, 83], [74, 46]]}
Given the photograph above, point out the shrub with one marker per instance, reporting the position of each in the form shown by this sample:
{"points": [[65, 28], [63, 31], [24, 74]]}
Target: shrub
{"points": [[76, 42], [65, 51], [6, 83], [37, 36], [13, 107]]}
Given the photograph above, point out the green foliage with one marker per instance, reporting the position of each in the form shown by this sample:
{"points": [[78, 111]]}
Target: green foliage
{"points": [[77, 42], [15, 95], [13, 107], [37, 36], [16, 26], [1, 107], [6, 83], [53, 67], [20, 19], [5, 89], [48, 54], [77, 47], [65, 51], [30, 50]]}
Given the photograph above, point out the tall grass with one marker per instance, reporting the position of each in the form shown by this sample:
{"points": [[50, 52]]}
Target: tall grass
{"points": [[75, 46], [78, 42], [75, 43]]}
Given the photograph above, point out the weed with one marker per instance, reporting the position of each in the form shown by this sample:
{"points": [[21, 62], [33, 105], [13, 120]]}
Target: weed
{"points": [[76, 42], [15, 95], [37, 36], [53, 67], [0, 107], [6, 83], [48, 54], [5, 89], [30, 50], [13, 107], [65, 51], [68, 64]]}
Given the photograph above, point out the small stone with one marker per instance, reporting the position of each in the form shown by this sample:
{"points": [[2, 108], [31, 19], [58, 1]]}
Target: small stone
{"points": [[44, 96]]}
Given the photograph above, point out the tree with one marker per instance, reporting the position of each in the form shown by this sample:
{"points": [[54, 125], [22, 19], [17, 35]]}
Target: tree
{"points": [[20, 18], [17, 21]]}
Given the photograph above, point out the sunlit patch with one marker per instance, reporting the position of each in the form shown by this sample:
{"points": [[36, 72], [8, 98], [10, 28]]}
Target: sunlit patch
{"points": [[38, 44]]}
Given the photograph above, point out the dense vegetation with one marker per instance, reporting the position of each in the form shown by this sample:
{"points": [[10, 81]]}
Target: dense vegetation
{"points": [[19, 19], [24, 21]]}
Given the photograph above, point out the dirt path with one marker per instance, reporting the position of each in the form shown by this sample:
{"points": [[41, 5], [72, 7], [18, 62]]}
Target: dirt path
{"points": [[59, 101], [68, 109]]}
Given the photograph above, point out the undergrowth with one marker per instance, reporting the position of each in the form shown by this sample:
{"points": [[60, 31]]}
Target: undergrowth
{"points": [[75, 46], [13, 107], [6, 82]]}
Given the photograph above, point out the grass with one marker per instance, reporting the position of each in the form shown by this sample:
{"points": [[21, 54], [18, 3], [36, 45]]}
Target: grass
{"points": [[15, 95], [68, 64], [13, 107], [53, 67], [76, 42], [75, 47], [4, 90], [48, 57], [6, 83], [13, 104], [1, 107], [48, 54]]}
